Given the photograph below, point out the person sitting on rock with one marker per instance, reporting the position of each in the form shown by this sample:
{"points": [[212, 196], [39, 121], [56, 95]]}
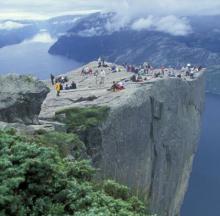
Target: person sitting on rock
{"points": [[120, 85], [66, 87], [63, 79], [139, 78], [58, 88], [90, 71], [114, 87], [134, 78], [117, 86], [73, 85], [113, 68]]}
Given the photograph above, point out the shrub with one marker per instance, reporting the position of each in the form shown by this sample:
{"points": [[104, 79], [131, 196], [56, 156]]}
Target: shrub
{"points": [[36, 181], [66, 144], [78, 119], [116, 190]]}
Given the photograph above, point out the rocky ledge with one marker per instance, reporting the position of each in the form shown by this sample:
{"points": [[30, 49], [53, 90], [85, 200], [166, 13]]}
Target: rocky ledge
{"points": [[21, 98], [148, 139]]}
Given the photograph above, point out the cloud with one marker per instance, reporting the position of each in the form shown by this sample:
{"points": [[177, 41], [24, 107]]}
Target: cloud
{"points": [[174, 26], [131, 8], [10, 25], [142, 8], [143, 24], [94, 31], [168, 24], [42, 37]]}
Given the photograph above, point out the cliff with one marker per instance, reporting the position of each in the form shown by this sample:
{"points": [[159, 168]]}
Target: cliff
{"points": [[148, 139], [21, 98]]}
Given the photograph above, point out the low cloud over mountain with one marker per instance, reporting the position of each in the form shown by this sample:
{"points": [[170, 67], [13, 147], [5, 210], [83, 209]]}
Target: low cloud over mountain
{"points": [[10, 25]]}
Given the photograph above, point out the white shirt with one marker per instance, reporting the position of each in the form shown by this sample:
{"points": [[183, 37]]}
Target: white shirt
{"points": [[102, 74]]}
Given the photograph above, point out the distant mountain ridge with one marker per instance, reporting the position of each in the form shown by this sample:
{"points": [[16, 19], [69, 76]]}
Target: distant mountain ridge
{"points": [[90, 37], [16, 31]]}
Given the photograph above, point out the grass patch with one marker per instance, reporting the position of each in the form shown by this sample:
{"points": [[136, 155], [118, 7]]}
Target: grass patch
{"points": [[80, 119]]}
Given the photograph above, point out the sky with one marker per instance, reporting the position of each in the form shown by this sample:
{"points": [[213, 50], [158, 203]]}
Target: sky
{"points": [[169, 16], [42, 9]]}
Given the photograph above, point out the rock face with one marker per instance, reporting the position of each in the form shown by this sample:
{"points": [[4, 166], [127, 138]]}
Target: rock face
{"points": [[150, 136], [149, 142], [21, 98]]}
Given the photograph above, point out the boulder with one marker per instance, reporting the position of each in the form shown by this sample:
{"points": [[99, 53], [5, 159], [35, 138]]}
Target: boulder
{"points": [[21, 98]]}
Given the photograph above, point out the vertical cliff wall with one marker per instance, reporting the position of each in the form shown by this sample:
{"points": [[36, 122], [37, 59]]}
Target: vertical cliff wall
{"points": [[150, 138]]}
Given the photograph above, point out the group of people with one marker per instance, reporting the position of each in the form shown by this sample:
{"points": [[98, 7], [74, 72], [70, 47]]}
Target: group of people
{"points": [[101, 62], [140, 73], [147, 70], [61, 83], [190, 70]]}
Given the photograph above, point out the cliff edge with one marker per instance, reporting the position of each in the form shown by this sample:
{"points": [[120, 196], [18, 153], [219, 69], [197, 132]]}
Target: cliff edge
{"points": [[148, 140], [21, 98]]}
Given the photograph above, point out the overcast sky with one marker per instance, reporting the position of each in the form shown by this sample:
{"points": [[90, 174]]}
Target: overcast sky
{"points": [[40, 9]]}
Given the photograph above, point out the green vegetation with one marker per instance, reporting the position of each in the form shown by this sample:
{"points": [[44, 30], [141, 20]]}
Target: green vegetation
{"points": [[35, 180], [80, 119], [65, 143]]}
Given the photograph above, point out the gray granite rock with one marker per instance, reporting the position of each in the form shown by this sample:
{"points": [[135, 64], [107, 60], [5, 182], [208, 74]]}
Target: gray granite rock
{"points": [[21, 98], [150, 139]]}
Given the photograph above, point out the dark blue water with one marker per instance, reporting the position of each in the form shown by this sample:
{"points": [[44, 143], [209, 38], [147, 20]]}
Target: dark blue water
{"points": [[203, 197], [31, 57]]}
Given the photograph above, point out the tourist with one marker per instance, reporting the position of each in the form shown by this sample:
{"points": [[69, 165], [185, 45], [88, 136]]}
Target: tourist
{"points": [[63, 80], [134, 78], [102, 77], [58, 88], [192, 73], [66, 87], [99, 62], [114, 87], [52, 77], [73, 85], [103, 62], [117, 86], [87, 70], [162, 70], [96, 75], [120, 85], [113, 68], [139, 78]]}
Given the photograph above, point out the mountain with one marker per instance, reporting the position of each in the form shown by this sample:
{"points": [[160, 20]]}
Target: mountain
{"points": [[58, 26], [16, 31], [92, 36]]}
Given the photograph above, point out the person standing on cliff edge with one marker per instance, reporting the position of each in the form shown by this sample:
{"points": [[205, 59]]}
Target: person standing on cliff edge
{"points": [[58, 88], [52, 79]]}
